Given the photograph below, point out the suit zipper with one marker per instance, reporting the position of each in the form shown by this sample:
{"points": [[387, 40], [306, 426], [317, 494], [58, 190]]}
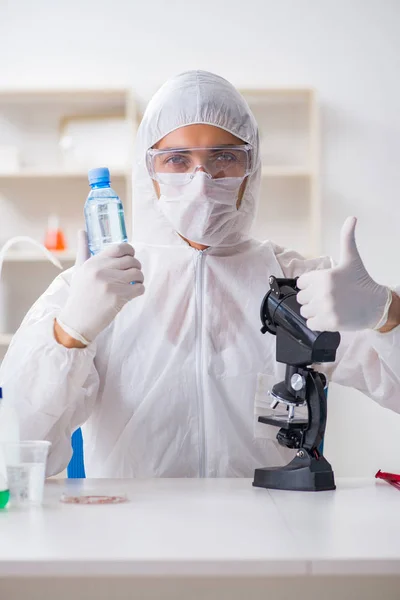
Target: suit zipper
{"points": [[199, 361]]}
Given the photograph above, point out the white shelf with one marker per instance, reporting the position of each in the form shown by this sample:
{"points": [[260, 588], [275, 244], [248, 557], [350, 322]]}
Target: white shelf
{"points": [[47, 180], [286, 172], [47, 174], [26, 256], [289, 207], [90, 96], [289, 91], [5, 339]]}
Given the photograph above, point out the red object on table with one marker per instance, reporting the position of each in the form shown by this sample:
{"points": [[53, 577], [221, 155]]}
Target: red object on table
{"points": [[391, 478]]}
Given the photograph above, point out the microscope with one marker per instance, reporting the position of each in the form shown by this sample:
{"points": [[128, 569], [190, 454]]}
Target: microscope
{"points": [[299, 348]]}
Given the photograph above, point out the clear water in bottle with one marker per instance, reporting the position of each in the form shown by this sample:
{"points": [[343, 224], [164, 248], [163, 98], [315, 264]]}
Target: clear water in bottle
{"points": [[104, 213]]}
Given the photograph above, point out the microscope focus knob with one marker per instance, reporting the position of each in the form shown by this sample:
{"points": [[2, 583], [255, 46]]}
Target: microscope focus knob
{"points": [[297, 382]]}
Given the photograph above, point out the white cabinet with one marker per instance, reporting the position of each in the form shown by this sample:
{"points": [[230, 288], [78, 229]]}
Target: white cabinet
{"points": [[44, 173], [289, 208]]}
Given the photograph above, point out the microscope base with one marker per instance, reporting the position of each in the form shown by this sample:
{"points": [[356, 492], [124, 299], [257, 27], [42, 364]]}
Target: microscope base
{"points": [[305, 474]]}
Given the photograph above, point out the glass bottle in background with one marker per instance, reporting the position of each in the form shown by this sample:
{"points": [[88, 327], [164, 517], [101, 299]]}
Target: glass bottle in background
{"points": [[104, 213], [55, 239]]}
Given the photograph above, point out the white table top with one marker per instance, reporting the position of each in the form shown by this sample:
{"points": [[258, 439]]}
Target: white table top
{"points": [[205, 527]]}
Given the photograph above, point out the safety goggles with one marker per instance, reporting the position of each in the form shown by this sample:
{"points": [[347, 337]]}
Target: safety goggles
{"points": [[217, 162]]}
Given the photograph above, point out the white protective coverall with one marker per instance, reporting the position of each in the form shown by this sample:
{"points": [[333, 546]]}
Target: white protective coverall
{"points": [[169, 388]]}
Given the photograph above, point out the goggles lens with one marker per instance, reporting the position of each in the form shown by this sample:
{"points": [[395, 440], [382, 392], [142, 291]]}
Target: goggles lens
{"points": [[218, 162]]}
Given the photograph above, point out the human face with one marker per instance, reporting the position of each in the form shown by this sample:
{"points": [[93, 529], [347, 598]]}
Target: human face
{"points": [[199, 136]]}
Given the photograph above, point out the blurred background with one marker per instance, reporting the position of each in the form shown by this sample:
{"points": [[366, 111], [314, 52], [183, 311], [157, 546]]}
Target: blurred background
{"points": [[322, 78]]}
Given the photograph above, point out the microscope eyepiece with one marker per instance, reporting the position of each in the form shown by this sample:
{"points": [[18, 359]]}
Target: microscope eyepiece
{"points": [[296, 344]]}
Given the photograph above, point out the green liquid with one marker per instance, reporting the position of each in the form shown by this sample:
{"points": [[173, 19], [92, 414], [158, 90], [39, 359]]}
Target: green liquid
{"points": [[4, 498]]}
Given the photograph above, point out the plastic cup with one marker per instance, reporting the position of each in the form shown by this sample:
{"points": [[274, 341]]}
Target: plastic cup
{"points": [[26, 471]]}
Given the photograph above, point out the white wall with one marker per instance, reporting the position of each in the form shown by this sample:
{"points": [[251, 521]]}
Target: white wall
{"points": [[349, 50]]}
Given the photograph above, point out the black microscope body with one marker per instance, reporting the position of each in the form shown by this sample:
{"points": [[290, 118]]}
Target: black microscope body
{"points": [[298, 347]]}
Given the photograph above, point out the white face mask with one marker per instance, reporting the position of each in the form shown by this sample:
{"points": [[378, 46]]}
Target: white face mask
{"points": [[204, 210]]}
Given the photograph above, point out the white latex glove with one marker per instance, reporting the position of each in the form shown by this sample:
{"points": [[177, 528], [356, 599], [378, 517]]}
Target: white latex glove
{"points": [[344, 297], [100, 288]]}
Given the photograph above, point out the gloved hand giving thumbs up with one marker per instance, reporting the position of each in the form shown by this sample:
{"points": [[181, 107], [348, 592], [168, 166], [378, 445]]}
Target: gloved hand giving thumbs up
{"points": [[344, 297], [100, 288]]}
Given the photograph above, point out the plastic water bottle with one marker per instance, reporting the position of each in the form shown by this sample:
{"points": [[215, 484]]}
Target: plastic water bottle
{"points": [[104, 213]]}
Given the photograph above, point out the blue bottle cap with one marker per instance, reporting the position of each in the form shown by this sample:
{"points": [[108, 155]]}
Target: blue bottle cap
{"points": [[1, 393], [101, 175]]}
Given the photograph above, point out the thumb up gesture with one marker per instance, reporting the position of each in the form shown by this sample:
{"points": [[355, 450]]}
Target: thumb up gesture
{"points": [[344, 297]]}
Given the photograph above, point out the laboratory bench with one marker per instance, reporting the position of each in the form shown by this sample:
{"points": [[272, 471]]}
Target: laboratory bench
{"points": [[204, 538]]}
